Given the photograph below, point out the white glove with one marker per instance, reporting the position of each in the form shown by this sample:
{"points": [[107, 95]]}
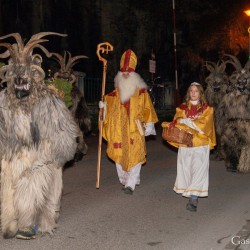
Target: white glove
{"points": [[185, 121], [191, 124], [103, 105], [150, 129]]}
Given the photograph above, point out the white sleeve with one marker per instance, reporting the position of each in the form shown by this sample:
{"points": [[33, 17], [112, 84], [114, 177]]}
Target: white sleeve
{"points": [[150, 129], [103, 105]]}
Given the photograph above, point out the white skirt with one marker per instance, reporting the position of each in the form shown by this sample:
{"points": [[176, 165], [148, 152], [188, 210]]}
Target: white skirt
{"points": [[192, 171], [131, 178]]}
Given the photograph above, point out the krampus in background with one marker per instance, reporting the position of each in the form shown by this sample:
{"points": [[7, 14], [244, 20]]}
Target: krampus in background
{"points": [[79, 108], [37, 137], [235, 140], [217, 84]]}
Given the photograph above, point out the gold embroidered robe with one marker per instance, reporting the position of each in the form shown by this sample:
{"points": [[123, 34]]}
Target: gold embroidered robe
{"points": [[202, 117], [125, 144]]}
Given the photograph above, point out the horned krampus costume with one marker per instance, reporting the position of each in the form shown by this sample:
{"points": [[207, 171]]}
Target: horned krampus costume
{"points": [[235, 139], [217, 84], [79, 108], [37, 137]]}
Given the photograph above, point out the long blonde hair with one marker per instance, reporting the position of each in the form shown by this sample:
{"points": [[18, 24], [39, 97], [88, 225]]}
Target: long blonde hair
{"points": [[202, 98]]}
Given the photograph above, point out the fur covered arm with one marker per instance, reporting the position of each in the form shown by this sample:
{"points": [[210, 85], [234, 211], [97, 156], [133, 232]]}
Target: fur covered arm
{"points": [[56, 128], [3, 130]]}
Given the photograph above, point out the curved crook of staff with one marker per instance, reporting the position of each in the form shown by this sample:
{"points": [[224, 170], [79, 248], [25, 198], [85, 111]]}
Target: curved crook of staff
{"points": [[101, 48]]}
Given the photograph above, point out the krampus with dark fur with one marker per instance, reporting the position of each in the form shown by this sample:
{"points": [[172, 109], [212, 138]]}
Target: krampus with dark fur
{"points": [[37, 137], [217, 84], [235, 139], [79, 108]]}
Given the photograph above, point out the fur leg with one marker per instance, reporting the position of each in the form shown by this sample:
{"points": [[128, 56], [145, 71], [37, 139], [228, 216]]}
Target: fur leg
{"points": [[216, 154], [56, 193], [82, 148], [32, 190], [244, 162], [8, 213], [50, 212], [230, 146], [244, 132]]}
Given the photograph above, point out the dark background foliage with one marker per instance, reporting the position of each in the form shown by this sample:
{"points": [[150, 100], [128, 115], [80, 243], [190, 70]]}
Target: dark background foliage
{"points": [[205, 31]]}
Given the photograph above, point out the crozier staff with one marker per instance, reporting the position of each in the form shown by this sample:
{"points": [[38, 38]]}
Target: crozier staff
{"points": [[195, 116], [101, 49], [128, 103]]}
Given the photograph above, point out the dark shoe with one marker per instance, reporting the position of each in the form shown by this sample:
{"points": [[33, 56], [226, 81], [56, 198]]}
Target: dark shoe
{"points": [[26, 233], [232, 169], [192, 205], [128, 190]]}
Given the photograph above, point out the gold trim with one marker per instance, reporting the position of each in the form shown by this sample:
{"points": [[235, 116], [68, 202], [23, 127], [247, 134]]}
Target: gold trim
{"points": [[190, 190]]}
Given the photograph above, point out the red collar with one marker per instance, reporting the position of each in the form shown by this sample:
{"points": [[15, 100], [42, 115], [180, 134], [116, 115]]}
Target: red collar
{"points": [[191, 110]]}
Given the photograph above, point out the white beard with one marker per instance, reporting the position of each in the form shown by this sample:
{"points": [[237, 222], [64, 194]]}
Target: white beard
{"points": [[128, 86]]}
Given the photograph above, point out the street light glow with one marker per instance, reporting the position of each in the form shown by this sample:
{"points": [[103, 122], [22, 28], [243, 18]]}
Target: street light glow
{"points": [[247, 12]]}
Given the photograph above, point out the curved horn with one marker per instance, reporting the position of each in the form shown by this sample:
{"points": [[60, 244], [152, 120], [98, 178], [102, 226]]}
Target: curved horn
{"points": [[236, 63], [39, 70], [36, 39], [11, 50], [27, 51], [6, 54], [67, 64], [59, 59], [42, 34], [75, 59], [221, 66], [247, 65], [212, 63], [56, 75], [73, 78], [37, 56], [17, 37], [45, 51], [65, 55], [210, 66], [3, 70]]}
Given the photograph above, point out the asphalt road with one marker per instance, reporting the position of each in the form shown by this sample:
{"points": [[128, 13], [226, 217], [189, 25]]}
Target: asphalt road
{"points": [[154, 217]]}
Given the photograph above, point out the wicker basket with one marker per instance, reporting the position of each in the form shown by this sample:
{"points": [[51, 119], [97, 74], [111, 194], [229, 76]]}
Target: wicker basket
{"points": [[177, 135]]}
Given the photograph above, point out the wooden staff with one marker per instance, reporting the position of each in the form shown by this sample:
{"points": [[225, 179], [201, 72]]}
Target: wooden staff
{"points": [[101, 48]]}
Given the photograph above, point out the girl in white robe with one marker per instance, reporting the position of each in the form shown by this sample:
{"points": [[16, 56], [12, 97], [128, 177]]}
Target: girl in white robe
{"points": [[196, 117]]}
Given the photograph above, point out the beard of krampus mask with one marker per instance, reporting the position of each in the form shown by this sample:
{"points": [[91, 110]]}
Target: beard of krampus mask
{"points": [[22, 87], [25, 77], [23, 92]]}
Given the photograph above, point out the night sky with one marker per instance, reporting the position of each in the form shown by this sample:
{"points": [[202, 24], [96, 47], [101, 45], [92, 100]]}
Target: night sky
{"points": [[204, 29]]}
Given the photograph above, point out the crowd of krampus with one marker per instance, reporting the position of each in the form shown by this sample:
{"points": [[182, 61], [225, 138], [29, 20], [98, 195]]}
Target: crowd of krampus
{"points": [[38, 135], [228, 91]]}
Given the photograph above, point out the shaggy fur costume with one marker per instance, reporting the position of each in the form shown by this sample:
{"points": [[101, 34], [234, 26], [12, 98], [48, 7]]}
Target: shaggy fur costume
{"points": [[217, 84], [79, 108], [236, 131], [37, 137]]}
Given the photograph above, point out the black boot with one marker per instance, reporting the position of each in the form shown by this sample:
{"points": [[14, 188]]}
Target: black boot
{"points": [[192, 205], [128, 190]]}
